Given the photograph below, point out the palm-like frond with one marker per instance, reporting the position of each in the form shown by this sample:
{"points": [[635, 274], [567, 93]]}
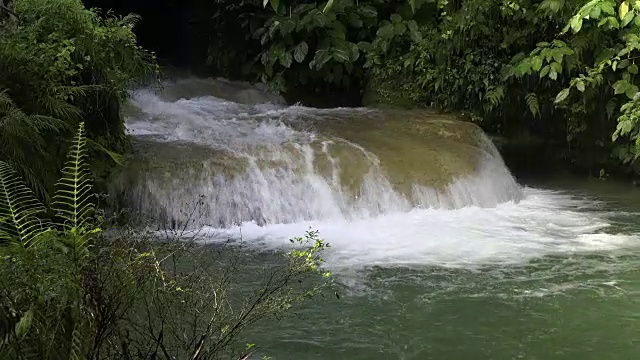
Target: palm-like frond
{"points": [[59, 108], [22, 140], [72, 201], [18, 209]]}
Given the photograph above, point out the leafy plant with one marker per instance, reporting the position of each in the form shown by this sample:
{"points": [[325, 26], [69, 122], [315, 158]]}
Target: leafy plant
{"points": [[44, 249], [69, 291], [64, 64]]}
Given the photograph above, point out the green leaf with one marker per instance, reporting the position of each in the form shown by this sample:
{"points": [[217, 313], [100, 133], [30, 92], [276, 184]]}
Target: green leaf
{"points": [[19, 210], [576, 24], [562, 95], [355, 52], [623, 64], [627, 19], [364, 46], [354, 20], [320, 59], [621, 86], [532, 103], [580, 85], [633, 69], [286, 59], [595, 13], [396, 18], [275, 4], [300, 51], [556, 67], [545, 71], [287, 27], [607, 7], [557, 55], [631, 91], [338, 31], [341, 55], [536, 63], [386, 31], [623, 9], [613, 22], [553, 75], [73, 201], [399, 29], [24, 325]]}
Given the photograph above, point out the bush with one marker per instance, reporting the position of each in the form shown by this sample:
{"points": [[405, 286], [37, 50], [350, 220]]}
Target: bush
{"points": [[60, 64], [68, 290]]}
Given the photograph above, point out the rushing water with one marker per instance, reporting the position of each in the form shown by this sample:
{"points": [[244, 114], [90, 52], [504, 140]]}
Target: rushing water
{"points": [[482, 269]]}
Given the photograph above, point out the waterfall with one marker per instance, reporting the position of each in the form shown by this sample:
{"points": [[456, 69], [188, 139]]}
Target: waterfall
{"points": [[225, 159]]}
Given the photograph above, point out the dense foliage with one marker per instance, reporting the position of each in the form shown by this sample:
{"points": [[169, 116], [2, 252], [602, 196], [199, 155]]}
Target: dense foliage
{"points": [[70, 291], [560, 70], [61, 63]]}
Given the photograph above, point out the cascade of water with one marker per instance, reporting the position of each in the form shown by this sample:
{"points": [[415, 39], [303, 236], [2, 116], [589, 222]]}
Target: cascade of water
{"points": [[218, 162]]}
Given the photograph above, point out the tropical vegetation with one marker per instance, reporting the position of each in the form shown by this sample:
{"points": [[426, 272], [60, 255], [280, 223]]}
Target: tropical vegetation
{"points": [[60, 64], [70, 289], [560, 70]]}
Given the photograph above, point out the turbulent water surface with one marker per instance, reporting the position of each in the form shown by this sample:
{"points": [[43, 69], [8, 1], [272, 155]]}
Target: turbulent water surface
{"points": [[482, 268]]}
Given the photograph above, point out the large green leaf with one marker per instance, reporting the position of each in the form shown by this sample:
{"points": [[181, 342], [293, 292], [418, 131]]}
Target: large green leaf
{"points": [[562, 95]]}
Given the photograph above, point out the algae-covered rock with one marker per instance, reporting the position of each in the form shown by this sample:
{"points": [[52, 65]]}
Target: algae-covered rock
{"points": [[164, 177], [413, 147], [224, 165]]}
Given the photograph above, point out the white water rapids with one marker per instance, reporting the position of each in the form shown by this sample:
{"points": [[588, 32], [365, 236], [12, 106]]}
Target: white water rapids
{"points": [[485, 218]]}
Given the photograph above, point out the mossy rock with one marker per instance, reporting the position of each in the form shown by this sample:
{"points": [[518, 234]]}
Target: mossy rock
{"points": [[413, 147]]}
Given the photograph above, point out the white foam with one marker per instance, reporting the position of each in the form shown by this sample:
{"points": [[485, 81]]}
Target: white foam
{"points": [[544, 223], [293, 191]]}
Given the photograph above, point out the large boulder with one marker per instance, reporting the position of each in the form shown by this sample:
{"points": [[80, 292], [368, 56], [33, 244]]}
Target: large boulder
{"points": [[288, 164]]}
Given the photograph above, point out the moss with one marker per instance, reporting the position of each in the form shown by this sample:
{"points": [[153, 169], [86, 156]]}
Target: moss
{"points": [[414, 147]]}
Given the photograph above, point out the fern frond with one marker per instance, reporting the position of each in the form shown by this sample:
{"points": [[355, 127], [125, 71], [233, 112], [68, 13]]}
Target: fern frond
{"points": [[72, 201], [532, 104], [18, 209], [493, 97], [59, 108], [130, 20], [76, 90], [76, 352]]}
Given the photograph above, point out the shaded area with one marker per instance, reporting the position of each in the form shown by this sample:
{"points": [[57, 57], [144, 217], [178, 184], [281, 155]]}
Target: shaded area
{"points": [[176, 30]]}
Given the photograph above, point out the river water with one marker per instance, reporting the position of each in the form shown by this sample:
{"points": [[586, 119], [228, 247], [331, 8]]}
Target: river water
{"points": [[549, 272], [554, 277]]}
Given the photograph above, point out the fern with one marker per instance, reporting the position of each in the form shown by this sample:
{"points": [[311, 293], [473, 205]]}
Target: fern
{"points": [[532, 104], [18, 209], [76, 351], [22, 134], [72, 202], [493, 97]]}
